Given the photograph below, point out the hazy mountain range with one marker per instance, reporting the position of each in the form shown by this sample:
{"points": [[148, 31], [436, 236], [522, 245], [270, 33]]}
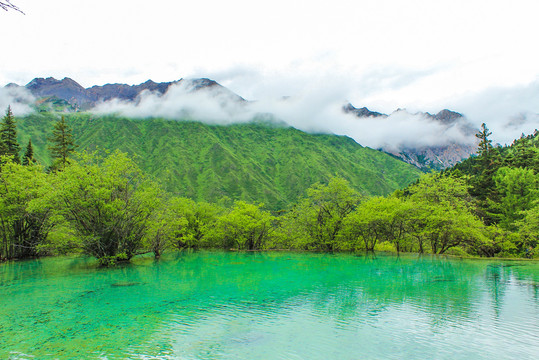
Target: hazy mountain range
{"points": [[205, 99], [429, 157], [85, 98]]}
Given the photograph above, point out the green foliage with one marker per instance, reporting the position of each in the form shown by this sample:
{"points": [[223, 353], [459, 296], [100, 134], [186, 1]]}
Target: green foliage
{"points": [[62, 145], [485, 144], [106, 206], [8, 136], [367, 225], [251, 162], [25, 209], [504, 181], [450, 218], [434, 215], [244, 227], [516, 189], [109, 203], [28, 157], [182, 223], [529, 232], [317, 221]]}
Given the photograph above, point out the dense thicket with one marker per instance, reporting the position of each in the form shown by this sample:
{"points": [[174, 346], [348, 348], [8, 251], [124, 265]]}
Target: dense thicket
{"points": [[504, 182], [105, 206]]}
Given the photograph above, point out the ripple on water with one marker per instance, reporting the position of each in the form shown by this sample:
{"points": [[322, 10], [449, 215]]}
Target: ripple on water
{"points": [[271, 306]]}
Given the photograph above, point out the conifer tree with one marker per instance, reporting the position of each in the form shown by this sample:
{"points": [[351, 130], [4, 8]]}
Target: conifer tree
{"points": [[485, 144], [62, 144], [28, 157], [483, 185], [8, 136]]}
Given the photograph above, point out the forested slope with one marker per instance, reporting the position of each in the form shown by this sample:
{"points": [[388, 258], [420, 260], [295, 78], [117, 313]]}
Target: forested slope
{"points": [[256, 162]]}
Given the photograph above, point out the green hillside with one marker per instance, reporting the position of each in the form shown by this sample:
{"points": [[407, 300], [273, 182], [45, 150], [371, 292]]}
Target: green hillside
{"points": [[254, 162]]}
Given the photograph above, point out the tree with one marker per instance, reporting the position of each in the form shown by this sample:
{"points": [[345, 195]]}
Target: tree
{"points": [[6, 5], [28, 157], [182, 223], [245, 226], [447, 213], [109, 203], [163, 227], [529, 231], [62, 146], [8, 136], [484, 169], [517, 189], [318, 219], [367, 223], [485, 144], [25, 209], [199, 219]]}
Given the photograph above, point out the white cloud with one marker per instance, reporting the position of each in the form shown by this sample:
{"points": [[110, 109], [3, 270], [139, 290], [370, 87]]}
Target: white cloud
{"points": [[318, 110], [18, 98], [180, 102], [507, 111]]}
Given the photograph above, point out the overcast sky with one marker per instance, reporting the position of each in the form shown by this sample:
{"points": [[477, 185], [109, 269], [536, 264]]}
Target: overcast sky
{"points": [[478, 57]]}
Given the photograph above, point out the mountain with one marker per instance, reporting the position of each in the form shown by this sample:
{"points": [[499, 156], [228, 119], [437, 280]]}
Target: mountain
{"points": [[66, 89], [428, 158], [67, 95], [256, 162], [361, 112], [79, 97]]}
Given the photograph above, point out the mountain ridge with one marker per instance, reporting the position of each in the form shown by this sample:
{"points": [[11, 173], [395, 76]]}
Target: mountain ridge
{"points": [[428, 158], [68, 95], [85, 98]]}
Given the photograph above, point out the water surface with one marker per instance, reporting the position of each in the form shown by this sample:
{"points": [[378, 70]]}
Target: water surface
{"points": [[226, 305]]}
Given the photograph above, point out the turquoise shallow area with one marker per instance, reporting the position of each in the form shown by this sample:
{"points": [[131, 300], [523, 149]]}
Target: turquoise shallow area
{"points": [[226, 305]]}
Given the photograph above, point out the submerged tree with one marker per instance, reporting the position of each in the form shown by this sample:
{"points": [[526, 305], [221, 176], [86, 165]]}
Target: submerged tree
{"points": [[317, 220], [245, 227], [110, 204], [62, 146], [8, 136], [199, 218]]}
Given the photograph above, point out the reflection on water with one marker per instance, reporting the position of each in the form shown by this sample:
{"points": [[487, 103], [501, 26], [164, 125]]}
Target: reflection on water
{"points": [[216, 305]]}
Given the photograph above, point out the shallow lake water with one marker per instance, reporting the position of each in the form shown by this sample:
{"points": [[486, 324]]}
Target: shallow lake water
{"points": [[226, 305]]}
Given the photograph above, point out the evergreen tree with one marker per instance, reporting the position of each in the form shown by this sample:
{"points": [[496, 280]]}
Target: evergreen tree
{"points": [[62, 144], [484, 168], [28, 157], [8, 136], [485, 144]]}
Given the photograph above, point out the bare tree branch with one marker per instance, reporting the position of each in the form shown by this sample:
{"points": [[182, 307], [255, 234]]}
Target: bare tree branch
{"points": [[6, 5]]}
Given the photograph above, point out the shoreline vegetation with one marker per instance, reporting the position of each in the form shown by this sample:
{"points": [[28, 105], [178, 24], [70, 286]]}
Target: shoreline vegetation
{"points": [[269, 251], [103, 205]]}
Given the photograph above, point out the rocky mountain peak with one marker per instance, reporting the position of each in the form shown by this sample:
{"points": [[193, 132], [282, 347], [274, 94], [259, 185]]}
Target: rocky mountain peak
{"points": [[67, 89], [360, 112], [198, 84], [446, 116], [428, 157]]}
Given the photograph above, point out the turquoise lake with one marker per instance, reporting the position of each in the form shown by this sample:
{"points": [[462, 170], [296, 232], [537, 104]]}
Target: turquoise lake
{"points": [[281, 305]]}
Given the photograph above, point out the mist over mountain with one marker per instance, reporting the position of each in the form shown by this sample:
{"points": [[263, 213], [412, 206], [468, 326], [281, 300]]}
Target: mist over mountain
{"points": [[449, 125], [425, 140], [86, 98]]}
